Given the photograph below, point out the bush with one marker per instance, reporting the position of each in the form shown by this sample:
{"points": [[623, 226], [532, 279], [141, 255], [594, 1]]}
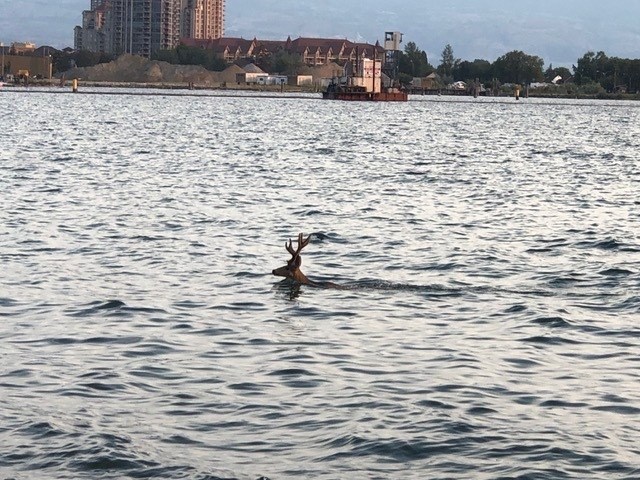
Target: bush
{"points": [[591, 89], [184, 55]]}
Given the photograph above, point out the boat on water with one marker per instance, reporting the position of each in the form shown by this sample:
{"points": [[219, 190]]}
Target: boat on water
{"points": [[365, 82], [362, 95]]}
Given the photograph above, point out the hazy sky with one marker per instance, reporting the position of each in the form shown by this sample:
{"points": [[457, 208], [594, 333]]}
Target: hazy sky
{"points": [[559, 31]]}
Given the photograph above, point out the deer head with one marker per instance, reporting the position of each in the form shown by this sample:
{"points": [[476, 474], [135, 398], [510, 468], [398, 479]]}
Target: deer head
{"points": [[292, 268]]}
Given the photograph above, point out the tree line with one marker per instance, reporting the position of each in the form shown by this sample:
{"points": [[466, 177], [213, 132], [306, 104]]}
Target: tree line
{"points": [[594, 72]]}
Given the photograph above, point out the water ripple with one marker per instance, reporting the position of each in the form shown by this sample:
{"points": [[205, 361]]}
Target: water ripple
{"points": [[486, 320]]}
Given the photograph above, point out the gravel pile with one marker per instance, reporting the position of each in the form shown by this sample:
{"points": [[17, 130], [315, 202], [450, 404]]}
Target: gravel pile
{"points": [[135, 69]]}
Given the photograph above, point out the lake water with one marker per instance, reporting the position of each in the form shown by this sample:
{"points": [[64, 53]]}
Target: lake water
{"points": [[490, 328]]}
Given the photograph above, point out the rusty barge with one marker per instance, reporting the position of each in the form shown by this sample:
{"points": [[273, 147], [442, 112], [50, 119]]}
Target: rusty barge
{"points": [[364, 81], [360, 94]]}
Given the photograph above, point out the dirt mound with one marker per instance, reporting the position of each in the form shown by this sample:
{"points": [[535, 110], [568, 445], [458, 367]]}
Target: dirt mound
{"points": [[229, 75], [329, 70], [135, 69]]}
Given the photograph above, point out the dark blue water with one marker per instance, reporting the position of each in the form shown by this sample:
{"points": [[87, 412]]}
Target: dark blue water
{"points": [[490, 328]]}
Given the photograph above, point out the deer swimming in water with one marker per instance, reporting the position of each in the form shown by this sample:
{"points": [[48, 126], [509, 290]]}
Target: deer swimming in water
{"points": [[292, 269], [292, 272]]}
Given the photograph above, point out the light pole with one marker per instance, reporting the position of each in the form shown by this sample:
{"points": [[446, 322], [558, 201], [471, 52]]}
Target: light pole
{"points": [[2, 73]]}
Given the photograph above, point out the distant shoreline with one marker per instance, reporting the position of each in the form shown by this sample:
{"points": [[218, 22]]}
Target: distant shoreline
{"points": [[267, 91], [67, 84]]}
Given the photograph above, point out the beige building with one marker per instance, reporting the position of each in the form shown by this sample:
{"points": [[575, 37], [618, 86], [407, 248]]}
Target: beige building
{"points": [[91, 36], [203, 19], [25, 59]]}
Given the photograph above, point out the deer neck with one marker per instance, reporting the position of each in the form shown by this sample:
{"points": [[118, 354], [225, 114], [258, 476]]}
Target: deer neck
{"points": [[300, 277]]}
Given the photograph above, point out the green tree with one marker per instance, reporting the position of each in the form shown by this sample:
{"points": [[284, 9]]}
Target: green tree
{"points": [[594, 68], [469, 71], [631, 75], [585, 71], [169, 56], [285, 63], [63, 61], [448, 62], [191, 55], [615, 74], [216, 63], [185, 55], [518, 67], [551, 73], [413, 62]]}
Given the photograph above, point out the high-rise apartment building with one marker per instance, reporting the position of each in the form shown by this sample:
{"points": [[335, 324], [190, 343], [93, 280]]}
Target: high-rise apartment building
{"points": [[91, 36], [143, 27], [203, 19]]}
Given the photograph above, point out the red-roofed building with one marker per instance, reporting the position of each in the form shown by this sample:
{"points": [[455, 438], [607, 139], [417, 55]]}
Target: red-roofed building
{"points": [[312, 51]]}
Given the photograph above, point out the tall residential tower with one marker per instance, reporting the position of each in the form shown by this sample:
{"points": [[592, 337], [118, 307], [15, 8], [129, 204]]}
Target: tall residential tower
{"points": [[203, 19], [143, 27]]}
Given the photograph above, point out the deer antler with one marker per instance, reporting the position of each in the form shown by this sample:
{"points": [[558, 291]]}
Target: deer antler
{"points": [[302, 242]]}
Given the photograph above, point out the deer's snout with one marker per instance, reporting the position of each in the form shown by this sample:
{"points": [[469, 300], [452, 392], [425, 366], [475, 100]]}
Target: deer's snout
{"points": [[281, 272]]}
